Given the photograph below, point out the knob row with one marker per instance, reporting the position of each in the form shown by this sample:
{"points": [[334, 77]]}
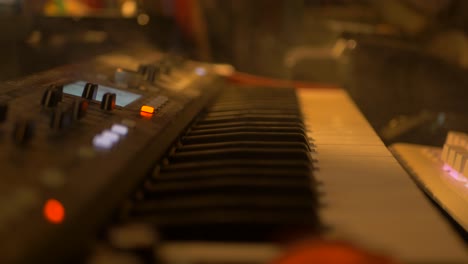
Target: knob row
{"points": [[54, 94]]}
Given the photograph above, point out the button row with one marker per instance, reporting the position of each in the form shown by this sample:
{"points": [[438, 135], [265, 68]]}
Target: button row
{"points": [[150, 108], [110, 137]]}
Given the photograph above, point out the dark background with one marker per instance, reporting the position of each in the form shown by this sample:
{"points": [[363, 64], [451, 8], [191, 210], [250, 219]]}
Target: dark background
{"points": [[404, 62]]}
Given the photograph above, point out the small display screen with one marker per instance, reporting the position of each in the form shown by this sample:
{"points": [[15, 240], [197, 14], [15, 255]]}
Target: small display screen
{"points": [[123, 97]]}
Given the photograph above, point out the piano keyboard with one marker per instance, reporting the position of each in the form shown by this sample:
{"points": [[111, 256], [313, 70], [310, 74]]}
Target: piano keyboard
{"points": [[243, 177], [242, 171], [369, 198]]}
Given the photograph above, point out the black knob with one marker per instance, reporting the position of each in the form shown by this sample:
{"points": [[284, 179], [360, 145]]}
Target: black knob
{"points": [[23, 131], [142, 69], [61, 119], [59, 89], [90, 91], [108, 101], [165, 67], [51, 97], [3, 111], [79, 108], [149, 72]]}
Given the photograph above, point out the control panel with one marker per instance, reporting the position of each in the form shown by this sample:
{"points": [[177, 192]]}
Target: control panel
{"points": [[66, 133]]}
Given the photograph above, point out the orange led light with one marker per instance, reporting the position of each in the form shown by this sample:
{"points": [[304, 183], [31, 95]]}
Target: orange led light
{"points": [[146, 115], [54, 212], [147, 109]]}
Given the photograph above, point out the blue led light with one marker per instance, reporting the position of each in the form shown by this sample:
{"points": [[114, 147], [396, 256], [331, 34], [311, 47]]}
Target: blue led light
{"points": [[119, 129], [113, 137], [102, 142]]}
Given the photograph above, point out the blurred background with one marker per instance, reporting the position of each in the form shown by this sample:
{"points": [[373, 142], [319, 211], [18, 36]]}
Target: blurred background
{"points": [[404, 62]]}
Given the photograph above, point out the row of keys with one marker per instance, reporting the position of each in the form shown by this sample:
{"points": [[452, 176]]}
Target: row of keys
{"points": [[455, 152], [240, 159]]}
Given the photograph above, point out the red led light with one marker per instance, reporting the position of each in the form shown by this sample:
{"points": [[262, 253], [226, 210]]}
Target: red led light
{"points": [[54, 212]]}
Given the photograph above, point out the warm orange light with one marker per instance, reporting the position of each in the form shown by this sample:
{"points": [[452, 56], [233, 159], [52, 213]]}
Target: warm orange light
{"points": [[147, 109], [331, 252], [146, 115], [54, 212]]}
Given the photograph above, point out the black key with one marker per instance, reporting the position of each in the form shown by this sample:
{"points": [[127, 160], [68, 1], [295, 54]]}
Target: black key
{"points": [[245, 136], [245, 144], [240, 153]]}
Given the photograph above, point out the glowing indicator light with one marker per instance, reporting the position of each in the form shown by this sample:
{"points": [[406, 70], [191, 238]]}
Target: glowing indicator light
{"points": [[454, 174], [200, 71], [147, 109], [112, 136], [119, 129], [54, 212], [101, 142], [146, 115]]}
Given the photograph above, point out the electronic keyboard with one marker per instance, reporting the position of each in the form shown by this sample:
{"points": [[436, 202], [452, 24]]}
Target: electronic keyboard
{"points": [[143, 157]]}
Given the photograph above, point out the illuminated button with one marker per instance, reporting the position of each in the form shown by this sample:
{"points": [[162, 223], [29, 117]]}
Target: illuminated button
{"points": [[114, 137], [119, 129], [146, 115], [200, 71], [147, 109], [102, 142], [54, 212]]}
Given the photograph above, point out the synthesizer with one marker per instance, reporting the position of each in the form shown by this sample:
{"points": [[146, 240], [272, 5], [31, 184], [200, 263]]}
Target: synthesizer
{"points": [[143, 157], [441, 172]]}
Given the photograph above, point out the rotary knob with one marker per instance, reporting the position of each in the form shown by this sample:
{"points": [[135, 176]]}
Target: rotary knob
{"points": [[127, 78], [108, 101], [165, 67], [23, 131], [61, 119], [149, 72], [79, 108], [52, 96], [90, 91], [59, 91]]}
